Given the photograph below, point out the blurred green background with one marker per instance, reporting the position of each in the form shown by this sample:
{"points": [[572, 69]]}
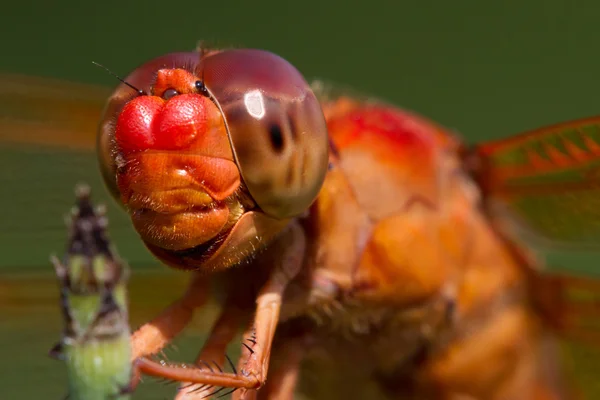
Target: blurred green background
{"points": [[485, 69]]}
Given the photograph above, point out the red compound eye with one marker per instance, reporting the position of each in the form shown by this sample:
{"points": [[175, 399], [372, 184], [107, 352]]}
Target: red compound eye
{"points": [[150, 122]]}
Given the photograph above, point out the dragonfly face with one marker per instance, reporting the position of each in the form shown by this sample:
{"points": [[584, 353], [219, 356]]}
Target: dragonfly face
{"points": [[214, 152]]}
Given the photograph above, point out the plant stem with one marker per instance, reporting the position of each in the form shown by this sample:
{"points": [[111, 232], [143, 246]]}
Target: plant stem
{"points": [[93, 282]]}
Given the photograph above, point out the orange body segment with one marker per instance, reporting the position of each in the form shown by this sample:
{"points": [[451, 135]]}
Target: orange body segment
{"points": [[408, 276]]}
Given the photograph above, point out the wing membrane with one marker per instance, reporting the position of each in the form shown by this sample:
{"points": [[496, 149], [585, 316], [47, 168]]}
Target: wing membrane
{"points": [[47, 141], [548, 180], [49, 112]]}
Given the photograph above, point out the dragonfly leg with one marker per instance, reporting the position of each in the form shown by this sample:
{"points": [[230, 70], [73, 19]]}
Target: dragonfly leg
{"points": [[153, 336], [283, 380], [287, 253], [213, 353]]}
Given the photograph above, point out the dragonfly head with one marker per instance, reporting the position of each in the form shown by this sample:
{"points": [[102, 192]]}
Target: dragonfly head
{"points": [[214, 154]]}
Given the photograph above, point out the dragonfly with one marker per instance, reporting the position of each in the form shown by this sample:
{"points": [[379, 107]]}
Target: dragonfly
{"points": [[350, 239]]}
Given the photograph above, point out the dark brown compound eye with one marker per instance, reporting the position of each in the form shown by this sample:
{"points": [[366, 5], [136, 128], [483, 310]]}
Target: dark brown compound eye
{"points": [[276, 127]]}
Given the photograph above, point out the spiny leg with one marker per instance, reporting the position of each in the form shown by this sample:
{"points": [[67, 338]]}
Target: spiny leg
{"points": [[213, 353], [285, 256], [254, 373], [153, 336], [283, 380], [248, 344]]}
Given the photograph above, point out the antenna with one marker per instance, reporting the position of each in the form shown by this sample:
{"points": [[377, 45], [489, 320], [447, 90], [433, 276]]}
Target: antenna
{"points": [[140, 91], [201, 49]]}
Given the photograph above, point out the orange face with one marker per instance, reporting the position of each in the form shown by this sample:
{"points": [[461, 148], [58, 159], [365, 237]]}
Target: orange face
{"points": [[211, 161], [178, 177]]}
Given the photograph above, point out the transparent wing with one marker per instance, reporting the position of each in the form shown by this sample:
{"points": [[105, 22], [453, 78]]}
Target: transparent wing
{"points": [[41, 111], [547, 181], [544, 186]]}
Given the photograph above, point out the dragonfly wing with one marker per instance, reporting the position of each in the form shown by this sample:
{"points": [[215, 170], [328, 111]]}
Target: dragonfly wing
{"points": [[544, 187], [48, 112], [47, 140], [547, 181]]}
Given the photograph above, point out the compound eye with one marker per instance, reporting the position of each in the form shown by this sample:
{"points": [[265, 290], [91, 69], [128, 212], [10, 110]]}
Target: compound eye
{"points": [[276, 127]]}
